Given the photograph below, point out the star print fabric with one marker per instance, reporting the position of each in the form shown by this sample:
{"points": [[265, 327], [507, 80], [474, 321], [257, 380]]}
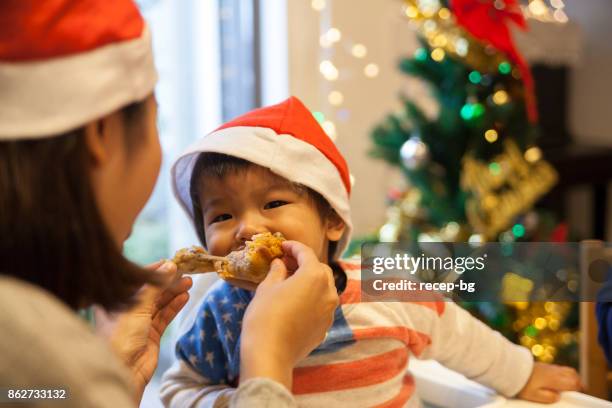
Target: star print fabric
{"points": [[212, 345]]}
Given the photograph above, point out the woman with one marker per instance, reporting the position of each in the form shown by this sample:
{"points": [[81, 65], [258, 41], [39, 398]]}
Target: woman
{"points": [[79, 156]]}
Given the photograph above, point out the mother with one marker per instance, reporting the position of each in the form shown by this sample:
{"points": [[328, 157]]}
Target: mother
{"points": [[79, 156]]}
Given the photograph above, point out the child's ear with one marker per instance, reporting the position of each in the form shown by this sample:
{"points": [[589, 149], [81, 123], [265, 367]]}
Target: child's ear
{"points": [[334, 226]]}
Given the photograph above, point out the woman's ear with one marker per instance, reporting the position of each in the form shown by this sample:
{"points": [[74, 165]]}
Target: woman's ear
{"points": [[102, 138], [334, 226]]}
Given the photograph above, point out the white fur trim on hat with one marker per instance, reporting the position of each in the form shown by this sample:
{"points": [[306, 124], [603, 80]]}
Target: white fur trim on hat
{"points": [[285, 155], [44, 98]]}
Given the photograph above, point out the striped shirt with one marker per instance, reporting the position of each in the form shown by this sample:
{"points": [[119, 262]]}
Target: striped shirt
{"points": [[363, 360]]}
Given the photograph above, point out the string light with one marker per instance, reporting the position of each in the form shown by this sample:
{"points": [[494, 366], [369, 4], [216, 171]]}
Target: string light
{"points": [[371, 70], [533, 154], [495, 168], [540, 323], [453, 227], [344, 114], [444, 13], [329, 37], [558, 4], [538, 8], [476, 239], [328, 69], [319, 116], [505, 68], [420, 54], [334, 35], [472, 110], [461, 47], [537, 350], [531, 331], [325, 42], [429, 7], [330, 128], [317, 5], [359, 51], [335, 98], [411, 12], [491, 135], [553, 324], [518, 230], [475, 77], [438, 54], [388, 233], [500, 97], [440, 40], [429, 26]]}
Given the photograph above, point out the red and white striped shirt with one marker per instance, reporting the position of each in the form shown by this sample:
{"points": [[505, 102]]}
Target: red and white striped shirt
{"points": [[364, 359]]}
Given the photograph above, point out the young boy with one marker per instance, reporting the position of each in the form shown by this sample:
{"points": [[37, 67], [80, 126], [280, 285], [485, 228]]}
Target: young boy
{"points": [[274, 169]]}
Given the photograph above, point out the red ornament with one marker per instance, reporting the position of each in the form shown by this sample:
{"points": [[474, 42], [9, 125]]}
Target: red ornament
{"points": [[488, 21], [394, 194], [560, 233]]}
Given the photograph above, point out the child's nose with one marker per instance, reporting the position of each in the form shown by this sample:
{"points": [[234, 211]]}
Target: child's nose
{"points": [[249, 226]]}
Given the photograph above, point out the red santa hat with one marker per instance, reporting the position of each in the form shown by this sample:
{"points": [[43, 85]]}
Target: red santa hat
{"points": [[64, 63], [285, 138]]}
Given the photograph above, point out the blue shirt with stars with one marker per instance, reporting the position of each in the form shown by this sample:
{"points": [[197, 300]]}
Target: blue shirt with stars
{"points": [[212, 345]]}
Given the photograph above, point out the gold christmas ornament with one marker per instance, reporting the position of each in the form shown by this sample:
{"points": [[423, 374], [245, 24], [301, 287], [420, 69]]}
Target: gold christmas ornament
{"points": [[515, 288], [503, 189]]}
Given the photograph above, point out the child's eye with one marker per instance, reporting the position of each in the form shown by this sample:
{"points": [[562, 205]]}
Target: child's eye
{"points": [[220, 218], [274, 204]]}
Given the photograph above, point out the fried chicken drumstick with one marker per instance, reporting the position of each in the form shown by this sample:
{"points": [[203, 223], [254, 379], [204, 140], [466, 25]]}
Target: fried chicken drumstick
{"points": [[251, 263]]}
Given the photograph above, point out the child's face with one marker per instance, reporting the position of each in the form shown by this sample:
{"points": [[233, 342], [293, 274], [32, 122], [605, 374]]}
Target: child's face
{"points": [[254, 200]]}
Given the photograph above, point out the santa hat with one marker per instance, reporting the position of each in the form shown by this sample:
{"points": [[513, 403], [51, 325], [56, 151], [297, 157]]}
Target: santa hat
{"points": [[64, 63], [285, 138]]}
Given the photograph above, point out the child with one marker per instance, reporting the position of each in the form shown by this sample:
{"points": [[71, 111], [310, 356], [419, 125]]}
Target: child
{"points": [[274, 169]]}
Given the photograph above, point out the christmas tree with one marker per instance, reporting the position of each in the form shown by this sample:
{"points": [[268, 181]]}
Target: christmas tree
{"points": [[474, 170]]}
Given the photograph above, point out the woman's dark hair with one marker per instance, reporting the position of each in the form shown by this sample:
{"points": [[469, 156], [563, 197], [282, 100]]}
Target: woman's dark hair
{"points": [[53, 234], [218, 165]]}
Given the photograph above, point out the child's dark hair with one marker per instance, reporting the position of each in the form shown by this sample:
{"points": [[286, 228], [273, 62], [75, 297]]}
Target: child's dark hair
{"points": [[218, 165]]}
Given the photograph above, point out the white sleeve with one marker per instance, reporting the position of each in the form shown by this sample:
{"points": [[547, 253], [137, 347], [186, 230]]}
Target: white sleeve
{"points": [[465, 344], [262, 393], [183, 387]]}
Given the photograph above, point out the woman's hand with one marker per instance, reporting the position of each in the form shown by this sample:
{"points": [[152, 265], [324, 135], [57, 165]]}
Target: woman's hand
{"points": [[288, 317], [137, 332]]}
